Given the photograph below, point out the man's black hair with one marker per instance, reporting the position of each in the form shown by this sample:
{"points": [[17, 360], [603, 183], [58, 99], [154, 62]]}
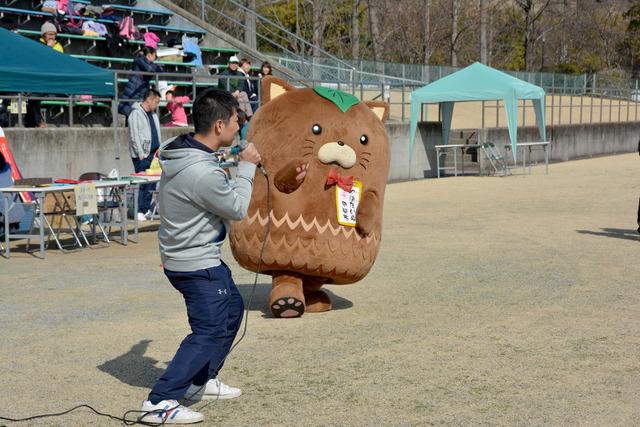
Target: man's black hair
{"points": [[169, 92], [210, 106], [150, 93]]}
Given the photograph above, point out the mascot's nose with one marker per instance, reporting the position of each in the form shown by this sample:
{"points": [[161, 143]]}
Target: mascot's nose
{"points": [[337, 152]]}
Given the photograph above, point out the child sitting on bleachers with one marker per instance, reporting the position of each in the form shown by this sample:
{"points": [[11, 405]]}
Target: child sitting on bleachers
{"points": [[175, 104]]}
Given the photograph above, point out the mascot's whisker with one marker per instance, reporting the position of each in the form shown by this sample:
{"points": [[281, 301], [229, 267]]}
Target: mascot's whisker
{"points": [[363, 166]]}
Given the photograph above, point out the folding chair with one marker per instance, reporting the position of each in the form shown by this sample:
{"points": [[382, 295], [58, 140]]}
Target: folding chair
{"points": [[25, 226], [495, 158], [106, 204], [22, 213]]}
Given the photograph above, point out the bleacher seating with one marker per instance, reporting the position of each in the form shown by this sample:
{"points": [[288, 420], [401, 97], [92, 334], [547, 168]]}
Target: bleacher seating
{"points": [[166, 33], [28, 18], [141, 15]]}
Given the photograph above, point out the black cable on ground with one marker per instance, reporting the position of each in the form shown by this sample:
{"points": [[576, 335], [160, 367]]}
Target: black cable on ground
{"points": [[138, 420]]}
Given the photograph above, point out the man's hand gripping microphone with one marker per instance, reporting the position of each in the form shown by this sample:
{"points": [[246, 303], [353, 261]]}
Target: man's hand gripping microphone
{"points": [[242, 145]]}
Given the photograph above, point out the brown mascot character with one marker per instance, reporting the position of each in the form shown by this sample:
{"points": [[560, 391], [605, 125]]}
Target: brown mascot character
{"points": [[327, 156]]}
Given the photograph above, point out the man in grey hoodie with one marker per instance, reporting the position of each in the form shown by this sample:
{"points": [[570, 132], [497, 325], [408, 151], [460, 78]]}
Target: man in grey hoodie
{"points": [[197, 200], [144, 141]]}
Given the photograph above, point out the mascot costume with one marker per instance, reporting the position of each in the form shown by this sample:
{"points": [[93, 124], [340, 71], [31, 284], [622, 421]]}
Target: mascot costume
{"points": [[327, 155]]}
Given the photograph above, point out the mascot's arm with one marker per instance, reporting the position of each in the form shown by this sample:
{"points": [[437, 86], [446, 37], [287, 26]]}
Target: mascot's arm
{"points": [[367, 213], [291, 176]]}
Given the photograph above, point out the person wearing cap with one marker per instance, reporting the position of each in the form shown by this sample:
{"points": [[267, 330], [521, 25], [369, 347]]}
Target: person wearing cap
{"points": [[235, 85], [34, 117], [230, 85], [49, 33]]}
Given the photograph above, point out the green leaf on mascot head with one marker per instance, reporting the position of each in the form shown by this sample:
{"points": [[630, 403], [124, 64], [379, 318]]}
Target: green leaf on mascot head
{"points": [[343, 100]]}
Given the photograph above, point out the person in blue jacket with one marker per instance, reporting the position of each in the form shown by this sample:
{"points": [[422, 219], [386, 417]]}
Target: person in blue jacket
{"points": [[16, 210], [138, 85]]}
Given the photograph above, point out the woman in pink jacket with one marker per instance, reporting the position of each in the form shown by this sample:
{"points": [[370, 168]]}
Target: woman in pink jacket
{"points": [[175, 104]]}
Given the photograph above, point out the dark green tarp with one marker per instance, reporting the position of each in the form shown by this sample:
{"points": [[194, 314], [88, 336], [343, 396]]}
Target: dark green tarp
{"points": [[27, 66]]}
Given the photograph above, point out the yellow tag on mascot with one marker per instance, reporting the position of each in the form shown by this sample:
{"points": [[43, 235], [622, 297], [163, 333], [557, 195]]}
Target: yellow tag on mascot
{"points": [[327, 155]]}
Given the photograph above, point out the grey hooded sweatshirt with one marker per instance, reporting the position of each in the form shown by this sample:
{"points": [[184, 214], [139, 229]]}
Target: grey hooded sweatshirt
{"points": [[197, 200]]}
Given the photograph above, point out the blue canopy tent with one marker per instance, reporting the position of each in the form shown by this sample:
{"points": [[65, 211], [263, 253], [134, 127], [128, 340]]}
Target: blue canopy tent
{"points": [[28, 66], [477, 82]]}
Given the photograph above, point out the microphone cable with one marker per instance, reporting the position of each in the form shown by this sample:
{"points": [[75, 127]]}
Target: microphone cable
{"points": [[142, 414]]}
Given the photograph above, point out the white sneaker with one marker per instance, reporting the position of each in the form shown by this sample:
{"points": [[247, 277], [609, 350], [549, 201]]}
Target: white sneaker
{"points": [[169, 412], [148, 215], [141, 217], [213, 390]]}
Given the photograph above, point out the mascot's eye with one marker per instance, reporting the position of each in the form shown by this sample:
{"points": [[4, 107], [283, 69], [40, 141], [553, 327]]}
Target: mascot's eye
{"points": [[316, 129], [364, 139]]}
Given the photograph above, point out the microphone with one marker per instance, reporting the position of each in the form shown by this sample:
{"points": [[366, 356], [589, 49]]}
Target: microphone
{"points": [[244, 144]]}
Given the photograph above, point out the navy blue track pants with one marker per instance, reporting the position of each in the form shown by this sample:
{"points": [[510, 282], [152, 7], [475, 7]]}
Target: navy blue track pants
{"points": [[215, 310]]}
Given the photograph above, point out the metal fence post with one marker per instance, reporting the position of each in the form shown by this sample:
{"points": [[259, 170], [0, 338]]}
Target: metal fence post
{"points": [[70, 111], [628, 102], [570, 108], [581, 105], [601, 104], [552, 109], [20, 110], [610, 109], [560, 110]]}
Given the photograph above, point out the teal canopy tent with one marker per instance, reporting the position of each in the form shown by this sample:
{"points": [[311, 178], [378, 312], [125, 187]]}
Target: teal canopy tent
{"points": [[477, 82], [28, 66]]}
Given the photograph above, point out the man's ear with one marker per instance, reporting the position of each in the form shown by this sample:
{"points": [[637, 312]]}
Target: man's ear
{"points": [[380, 109], [273, 87]]}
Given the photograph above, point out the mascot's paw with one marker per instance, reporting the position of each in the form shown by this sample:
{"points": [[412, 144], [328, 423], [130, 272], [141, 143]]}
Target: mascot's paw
{"points": [[287, 299], [317, 301], [287, 307]]}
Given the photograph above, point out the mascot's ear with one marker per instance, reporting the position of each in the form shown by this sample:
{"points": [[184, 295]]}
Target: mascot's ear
{"points": [[380, 109], [273, 87]]}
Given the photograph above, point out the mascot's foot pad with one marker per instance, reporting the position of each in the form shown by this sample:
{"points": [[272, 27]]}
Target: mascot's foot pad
{"points": [[287, 307], [317, 301], [287, 299]]}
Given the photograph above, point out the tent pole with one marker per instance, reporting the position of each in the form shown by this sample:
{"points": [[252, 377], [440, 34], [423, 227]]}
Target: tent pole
{"points": [[114, 121]]}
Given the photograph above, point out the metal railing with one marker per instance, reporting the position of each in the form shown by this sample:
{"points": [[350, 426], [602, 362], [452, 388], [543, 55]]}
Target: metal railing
{"points": [[560, 109], [228, 15]]}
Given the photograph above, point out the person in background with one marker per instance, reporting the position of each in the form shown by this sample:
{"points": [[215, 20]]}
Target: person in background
{"points": [[638, 200], [243, 124], [138, 85], [265, 70], [234, 85], [34, 117], [16, 209], [144, 141], [175, 104], [247, 86], [230, 85], [49, 34]]}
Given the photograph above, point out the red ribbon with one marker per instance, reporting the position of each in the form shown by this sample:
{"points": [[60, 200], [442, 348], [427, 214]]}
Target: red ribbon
{"points": [[344, 182]]}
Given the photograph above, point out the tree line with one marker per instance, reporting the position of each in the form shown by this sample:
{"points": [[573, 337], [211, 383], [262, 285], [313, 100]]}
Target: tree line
{"points": [[570, 36], [567, 36]]}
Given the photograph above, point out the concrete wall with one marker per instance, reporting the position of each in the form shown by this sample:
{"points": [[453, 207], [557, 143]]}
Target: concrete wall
{"points": [[576, 141], [68, 152]]}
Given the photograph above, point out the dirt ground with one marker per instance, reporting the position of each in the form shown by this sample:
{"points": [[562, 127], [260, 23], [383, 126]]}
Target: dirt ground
{"points": [[494, 301]]}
